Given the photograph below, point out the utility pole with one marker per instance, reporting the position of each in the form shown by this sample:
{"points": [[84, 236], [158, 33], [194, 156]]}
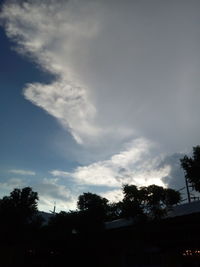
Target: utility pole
{"points": [[54, 209], [188, 191]]}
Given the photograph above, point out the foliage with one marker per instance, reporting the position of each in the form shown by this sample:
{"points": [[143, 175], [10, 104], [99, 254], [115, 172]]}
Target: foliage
{"points": [[93, 204], [93, 210], [191, 167], [132, 201], [172, 197], [64, 222], [88, 201], [114, 211], [153, 201], [20, 207]]}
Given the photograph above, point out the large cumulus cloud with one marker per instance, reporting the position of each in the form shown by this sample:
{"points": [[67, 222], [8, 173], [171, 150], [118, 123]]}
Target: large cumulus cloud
{"points": [[124, 70]]}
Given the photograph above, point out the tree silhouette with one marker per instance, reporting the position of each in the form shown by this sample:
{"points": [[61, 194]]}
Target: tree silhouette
{"points": [[153, 201], [18, 208], [172, 197], [114, 211], [64, 223], [132, 201], [93, 210], [93, 203], [191, 167]]}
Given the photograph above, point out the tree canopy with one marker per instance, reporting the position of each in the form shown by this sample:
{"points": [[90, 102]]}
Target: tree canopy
{"points": [[19, 207], [150, 202], [92, 211], [153, 201], [191, 167], [90, 201]]}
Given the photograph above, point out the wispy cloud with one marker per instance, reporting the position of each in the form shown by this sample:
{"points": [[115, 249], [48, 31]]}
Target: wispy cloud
{"points": [[122, 72], [51, 39], [59, 173], [51, 191], [22, 172], [67, 102], [110, 87], [7, 186], [52, 188], [133, 165], [114, 195]]}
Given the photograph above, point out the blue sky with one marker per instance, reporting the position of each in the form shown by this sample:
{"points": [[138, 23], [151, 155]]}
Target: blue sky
{"points": [[95, 94], [27, 132]]}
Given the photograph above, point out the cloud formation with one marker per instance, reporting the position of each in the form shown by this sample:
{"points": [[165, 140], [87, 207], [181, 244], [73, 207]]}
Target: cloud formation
{"points": [[51, 33], [113, 195], [51, 192], [10, 184], [68, 103], [22, 172], [133, 165], [124, 71]]}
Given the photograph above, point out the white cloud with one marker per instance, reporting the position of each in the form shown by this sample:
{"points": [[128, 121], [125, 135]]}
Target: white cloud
{"points": [[53, 188], [12, 183], [113, 195], [68, 103], [134, 165], [47, 204], [7, 186], [22, 172], [51, 191], [59, 173], [52, 33], [123, 71]]}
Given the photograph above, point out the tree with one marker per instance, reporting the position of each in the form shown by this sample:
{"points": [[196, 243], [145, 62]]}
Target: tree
{"points": [[153, 201], [92, 202], [172, 197], [191, 167], [114, 211], [93, 210], [132, 201], [64, 223], [20, 207]]}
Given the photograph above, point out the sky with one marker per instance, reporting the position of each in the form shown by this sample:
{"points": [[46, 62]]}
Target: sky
{"points": [[95, 94]]}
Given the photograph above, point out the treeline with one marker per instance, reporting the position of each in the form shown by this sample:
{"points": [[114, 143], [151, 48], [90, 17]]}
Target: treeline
{"points": [[19, 209], [79, 235], [76, 236], [141, 204]]}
